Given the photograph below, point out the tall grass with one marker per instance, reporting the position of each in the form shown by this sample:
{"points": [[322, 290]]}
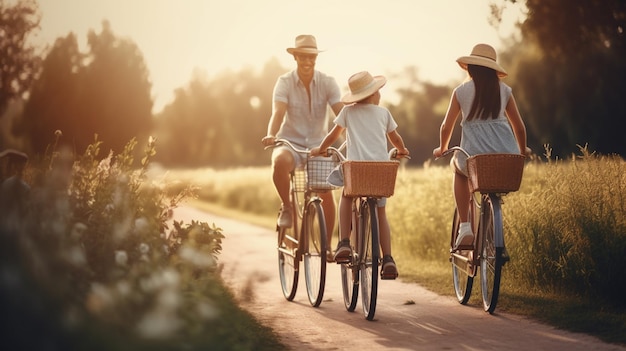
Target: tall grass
{"points": [[569, 224]]}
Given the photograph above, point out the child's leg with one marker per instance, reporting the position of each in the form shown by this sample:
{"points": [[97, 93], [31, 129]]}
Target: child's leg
{"points": [[345, 217], [384, 231], [388, 269], [343, 251]]}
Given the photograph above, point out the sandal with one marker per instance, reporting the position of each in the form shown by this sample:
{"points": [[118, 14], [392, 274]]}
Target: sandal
{"points": [[343, 252], [389, 269]]}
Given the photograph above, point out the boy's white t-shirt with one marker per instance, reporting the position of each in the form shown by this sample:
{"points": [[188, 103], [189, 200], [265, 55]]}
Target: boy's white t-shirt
{"points": [[367, 126]]}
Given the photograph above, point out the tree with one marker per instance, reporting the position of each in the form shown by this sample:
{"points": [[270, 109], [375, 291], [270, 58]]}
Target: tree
{"points": [[18, 60], [104, 92], [419, 114], [52, 104], [569, 73], [218, 121]]}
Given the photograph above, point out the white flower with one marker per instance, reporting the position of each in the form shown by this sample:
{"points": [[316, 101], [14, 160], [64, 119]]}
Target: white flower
{"points": [[144, 248], [121, 258], [142, 226]]}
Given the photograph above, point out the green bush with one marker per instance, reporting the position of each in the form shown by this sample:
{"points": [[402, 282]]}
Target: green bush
{"points": [[98, 263]]}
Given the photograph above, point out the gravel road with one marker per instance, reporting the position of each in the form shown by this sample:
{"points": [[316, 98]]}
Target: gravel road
{"points": [[408, 317]]}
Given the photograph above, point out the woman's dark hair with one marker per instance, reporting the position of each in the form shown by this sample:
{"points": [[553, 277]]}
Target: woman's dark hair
{"points": [[487, 103]]}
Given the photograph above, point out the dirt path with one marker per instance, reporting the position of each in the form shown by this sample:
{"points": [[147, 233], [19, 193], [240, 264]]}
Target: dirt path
{"points": [[432, 322]]}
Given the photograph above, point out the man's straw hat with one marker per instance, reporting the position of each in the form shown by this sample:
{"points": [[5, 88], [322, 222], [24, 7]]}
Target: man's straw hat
{"points": [[482, 55], [305, 44]]}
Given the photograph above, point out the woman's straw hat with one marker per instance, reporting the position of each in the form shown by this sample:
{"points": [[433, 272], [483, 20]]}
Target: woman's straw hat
{"points": [[482, 55], [305, 44], [362, 85]]}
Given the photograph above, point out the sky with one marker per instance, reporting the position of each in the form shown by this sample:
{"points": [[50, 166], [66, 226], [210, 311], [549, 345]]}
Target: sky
{"points": [[178, 37]]}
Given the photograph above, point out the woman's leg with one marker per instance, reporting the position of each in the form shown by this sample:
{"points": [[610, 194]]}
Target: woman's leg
{"points": [[462, 196]]}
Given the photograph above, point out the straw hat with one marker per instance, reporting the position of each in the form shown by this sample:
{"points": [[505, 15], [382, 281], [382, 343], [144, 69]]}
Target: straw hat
{"points": [[482, 55], [305, 44], [362, 85]]}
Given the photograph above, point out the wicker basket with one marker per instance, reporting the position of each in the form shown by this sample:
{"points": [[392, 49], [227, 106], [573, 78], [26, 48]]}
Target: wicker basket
{"points": [[318, 169], [495, 173], [369, 178]]}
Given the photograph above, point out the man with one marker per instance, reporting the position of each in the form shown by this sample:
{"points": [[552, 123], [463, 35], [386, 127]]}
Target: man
{"points": [[300, 102]]}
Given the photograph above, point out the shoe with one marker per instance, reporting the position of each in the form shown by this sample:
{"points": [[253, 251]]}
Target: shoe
{"points": [[343, 252], [389, 269], [465, 237], [285, 218]]}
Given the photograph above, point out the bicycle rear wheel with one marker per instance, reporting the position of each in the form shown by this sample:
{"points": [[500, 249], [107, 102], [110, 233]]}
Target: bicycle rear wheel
{"points": [[461, 280], [491, 259], [369, 256], [288, 262], [314, 252]]}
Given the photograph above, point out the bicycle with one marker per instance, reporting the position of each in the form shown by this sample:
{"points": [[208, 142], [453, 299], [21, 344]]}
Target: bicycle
{"points": [[306, 239], [365, 182], [491, 176]]}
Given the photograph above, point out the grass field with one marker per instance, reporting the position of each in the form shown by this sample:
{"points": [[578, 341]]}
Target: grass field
{"points": [[565, 232]]}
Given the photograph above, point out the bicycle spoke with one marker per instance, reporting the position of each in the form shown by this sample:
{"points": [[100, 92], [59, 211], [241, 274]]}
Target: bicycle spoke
{"points": [[369, 263], [491, 256], [314, 252], [461, 279], [287, 264]]}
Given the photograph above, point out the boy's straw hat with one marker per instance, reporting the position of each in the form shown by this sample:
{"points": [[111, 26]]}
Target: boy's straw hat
{"points": [[482, 55], [305, 44], [362, 85]]}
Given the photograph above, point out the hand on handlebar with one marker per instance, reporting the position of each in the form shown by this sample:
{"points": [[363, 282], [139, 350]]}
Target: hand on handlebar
{"points": [[268, 140], [317, 152], [397, 154], [438, 152]]}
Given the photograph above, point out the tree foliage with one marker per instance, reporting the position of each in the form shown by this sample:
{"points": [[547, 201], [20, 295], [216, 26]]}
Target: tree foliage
{"points": [[218, 121], [18, 60], [104, 92], [568, 73]]}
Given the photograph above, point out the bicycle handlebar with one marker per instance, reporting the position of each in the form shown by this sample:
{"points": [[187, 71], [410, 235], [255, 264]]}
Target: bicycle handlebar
{"points": [[287, 143], [393, 153], [451, 150]]}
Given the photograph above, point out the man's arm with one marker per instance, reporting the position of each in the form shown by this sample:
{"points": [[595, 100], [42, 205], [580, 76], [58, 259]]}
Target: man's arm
{"points": [[279, 109]]}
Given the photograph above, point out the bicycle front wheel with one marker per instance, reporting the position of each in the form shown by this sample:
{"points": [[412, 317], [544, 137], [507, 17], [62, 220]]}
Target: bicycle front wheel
{"points": [[369, 256], [461, 280], [350, 285], [314, 252], [491, 259], [288, 262]]}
